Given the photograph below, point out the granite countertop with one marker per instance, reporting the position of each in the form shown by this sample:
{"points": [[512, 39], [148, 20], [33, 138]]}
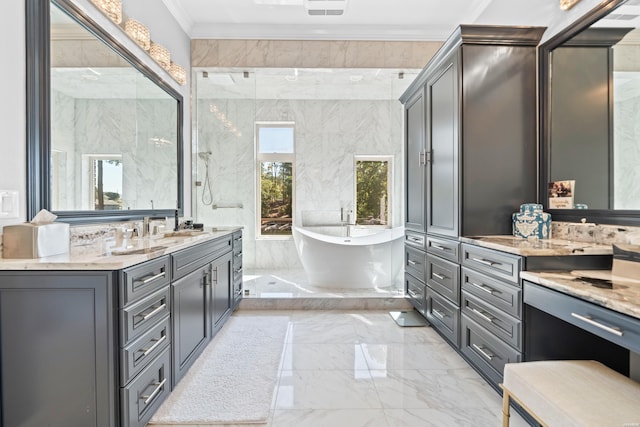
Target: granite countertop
{"points": [[538, 247], [96, 257], [624, 297]]}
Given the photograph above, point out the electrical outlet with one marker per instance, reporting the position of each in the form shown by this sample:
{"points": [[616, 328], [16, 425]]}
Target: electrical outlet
{"points": [[8, 204]]}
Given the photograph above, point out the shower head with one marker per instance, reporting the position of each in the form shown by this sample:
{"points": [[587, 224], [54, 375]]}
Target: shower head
{"points": [[204, 155]]}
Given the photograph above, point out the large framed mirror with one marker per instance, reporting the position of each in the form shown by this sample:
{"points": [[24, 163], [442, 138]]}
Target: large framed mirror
{"points": [[104, 130], [590, 99]]}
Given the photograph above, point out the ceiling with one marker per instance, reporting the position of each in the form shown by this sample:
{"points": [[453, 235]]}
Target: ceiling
{"points": [[361, 19]]}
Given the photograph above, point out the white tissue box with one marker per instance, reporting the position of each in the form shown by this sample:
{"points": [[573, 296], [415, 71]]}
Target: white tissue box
{"points": [[35, 240]]}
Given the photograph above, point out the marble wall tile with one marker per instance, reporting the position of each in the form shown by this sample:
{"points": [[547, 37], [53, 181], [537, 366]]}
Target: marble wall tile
{"points": [[311, 54]]}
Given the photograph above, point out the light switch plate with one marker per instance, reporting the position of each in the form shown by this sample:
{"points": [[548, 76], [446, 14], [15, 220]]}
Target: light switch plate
{"points": [[8, 204]]}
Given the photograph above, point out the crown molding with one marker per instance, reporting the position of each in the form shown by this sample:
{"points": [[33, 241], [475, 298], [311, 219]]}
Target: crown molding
{"points": [[180, 15]]}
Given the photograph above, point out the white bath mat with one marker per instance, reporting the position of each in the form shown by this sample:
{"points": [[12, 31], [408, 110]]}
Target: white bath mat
{"points": [[233, 381]]}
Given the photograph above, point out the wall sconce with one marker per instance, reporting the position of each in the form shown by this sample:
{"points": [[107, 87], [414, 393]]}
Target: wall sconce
{"points": [[139, 33], [567, 4], [111, 8], [178, 72], [161, 55]]}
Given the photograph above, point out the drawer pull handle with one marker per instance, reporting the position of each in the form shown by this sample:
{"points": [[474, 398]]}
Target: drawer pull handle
{"points": [[239, 239], [483, 315], [486, 261], [154, 311], [151, 278], [238, 270], [442, 248], [589, 320], [415, 239], [439, 315], [413, 294], [439, 276], [159, 386], [482, 351], [154, 346], [412, 262], [484, 288], [238, 255]]}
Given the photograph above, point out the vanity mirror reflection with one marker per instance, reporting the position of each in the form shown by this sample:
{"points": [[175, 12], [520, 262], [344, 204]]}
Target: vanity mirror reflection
{"points": [[590, 94], [105, 131]]}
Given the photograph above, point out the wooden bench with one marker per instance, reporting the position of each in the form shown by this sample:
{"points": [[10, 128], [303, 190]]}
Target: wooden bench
{"points": [[570, 393]]}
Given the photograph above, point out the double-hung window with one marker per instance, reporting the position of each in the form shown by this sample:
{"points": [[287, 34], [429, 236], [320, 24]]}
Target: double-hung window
{"points": [[275, 153]]}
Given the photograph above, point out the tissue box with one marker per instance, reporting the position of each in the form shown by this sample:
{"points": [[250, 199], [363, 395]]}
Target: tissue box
{"points": [[531, 222], [35, 240]]}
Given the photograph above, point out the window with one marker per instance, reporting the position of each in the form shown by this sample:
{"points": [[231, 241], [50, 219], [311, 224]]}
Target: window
{"points": [[373, 182], [103, 185], [275, 155]]}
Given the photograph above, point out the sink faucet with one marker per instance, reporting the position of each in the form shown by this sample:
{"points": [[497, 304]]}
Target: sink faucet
{"points": [[146, 224]]}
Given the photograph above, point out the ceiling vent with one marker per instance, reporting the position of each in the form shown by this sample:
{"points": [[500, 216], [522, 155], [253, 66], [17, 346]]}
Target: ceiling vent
{"points": [[325, 7], [621, 16]]}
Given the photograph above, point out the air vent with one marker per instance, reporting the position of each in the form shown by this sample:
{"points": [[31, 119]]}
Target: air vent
{"points": [[325, 7]]}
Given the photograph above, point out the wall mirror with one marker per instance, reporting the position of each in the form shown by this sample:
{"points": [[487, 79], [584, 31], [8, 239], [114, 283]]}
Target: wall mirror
{"points": [[104, 131], [590, 99]]}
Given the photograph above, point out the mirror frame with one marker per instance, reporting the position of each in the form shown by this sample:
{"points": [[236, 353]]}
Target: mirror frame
{"points": [[38, 131], [599, 216]]}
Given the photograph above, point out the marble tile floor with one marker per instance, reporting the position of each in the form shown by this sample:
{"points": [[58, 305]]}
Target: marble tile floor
{"points": [[358, 368], [290, 289]]}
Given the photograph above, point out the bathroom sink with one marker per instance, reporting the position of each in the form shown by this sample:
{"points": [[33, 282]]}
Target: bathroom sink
{"points": [[135, 251]]}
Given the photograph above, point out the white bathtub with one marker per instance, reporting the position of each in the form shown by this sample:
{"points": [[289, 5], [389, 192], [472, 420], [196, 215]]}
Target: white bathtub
{"points": [[369, 258]]}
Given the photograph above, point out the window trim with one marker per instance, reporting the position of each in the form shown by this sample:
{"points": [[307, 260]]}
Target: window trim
{"points": [[273, 157], [390, 196]]}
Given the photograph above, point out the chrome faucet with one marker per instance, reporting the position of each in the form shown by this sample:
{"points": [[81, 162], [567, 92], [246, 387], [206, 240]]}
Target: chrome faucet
{"points": [[146, 225]]}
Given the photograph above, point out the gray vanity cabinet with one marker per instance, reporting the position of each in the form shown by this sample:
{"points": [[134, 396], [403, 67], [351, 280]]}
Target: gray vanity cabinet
{"points": [[58, 354], [190, 296], [221, 285], [415, 148], [238, 288]]}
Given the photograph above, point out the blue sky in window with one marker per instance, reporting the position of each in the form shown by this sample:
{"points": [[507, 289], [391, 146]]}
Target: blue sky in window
{"points": [[275, 139]]}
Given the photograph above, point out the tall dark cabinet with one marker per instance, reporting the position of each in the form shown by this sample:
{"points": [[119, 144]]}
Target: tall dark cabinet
{"points": [[471, 157]]}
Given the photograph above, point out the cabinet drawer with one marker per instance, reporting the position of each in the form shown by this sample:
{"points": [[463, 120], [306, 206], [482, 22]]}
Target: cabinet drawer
{"points": [[417, 240], [444, 316], [237, 257], [416, 291], [444, 248], [141, 398], [237, 292], [444, 277], [187, 260], [143, 315], [237, 270], [505, 296], [485, 351], [237, 242], [140, 280], [415, 262], [505, 327], [135, 356], [496, 264], [603, 322]]}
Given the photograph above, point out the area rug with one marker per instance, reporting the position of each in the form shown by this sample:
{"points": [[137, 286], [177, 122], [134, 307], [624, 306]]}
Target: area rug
{"points": [[233, 381]]}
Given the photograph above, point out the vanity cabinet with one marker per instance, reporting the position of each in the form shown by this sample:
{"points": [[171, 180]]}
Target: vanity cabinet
{"points": [[491, 307], [238, 288], [58, 355], [105, 348], [471, 150]]}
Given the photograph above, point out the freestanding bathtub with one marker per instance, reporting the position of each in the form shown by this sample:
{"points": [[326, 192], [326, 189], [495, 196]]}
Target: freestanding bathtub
{"points": [[368, 258]]}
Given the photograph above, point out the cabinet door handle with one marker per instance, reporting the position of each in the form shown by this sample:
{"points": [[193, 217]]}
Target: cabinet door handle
{"points": [[238, 270], [238, 255], [439, 276], [482, 351], [439, 315], [483, 315], [154, 311], [413, 294], [145, 352], [589, 320], [149, 398], [239, 239], [442, 248], [421, 158], [151, 278], [485, 288], [215, 276], [411, 262], [486, 262]]}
